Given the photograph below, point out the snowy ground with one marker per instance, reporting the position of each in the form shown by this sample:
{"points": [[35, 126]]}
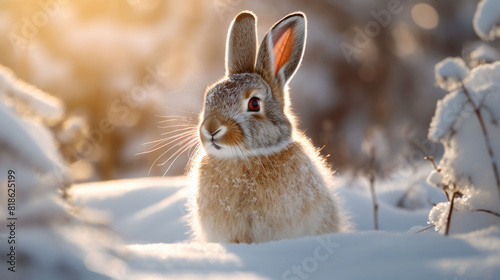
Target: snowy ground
{"points": [[149, 215]]}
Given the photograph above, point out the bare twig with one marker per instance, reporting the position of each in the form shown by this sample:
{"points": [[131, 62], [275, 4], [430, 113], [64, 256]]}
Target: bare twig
{"points": [[431, 159], [445, 190], [486, 211], [448, 219], [424, 229], [485, 133], [372, 187]]}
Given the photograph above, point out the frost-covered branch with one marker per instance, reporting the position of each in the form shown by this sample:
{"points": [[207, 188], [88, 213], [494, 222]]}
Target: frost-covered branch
{"points": [[468, 171], [477, 111]]}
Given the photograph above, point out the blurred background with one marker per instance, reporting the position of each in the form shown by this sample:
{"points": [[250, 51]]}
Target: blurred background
{"points": [[367, 77]]}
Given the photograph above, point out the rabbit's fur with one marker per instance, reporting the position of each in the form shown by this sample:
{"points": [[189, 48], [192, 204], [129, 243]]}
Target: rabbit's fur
{"points": [[258, 179]]}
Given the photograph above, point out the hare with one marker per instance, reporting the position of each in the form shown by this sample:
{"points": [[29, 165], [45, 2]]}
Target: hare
{"points": [[259, 179]]}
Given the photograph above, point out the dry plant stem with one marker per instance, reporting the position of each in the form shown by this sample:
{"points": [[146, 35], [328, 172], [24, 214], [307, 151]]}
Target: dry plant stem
{"points": [[431, 159], [425, 228], [448, 219], [486, 211], [486, 138], [372, 187]]}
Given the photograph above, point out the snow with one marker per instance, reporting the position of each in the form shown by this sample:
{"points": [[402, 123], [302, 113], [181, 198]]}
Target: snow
{"points": [[484, 54], [34, 100], [368, 255], [142, 201], [487, 20], [27, 144], [482, 85], [149, 215], [450, 72], [70, 129], [142, 233], [448, 113], [56, 255], [31, 141], [54, 242], [435, 178]]}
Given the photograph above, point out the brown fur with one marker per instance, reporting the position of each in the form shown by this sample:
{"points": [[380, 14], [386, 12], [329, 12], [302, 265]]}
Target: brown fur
{"points": [[241, 45], [234, 134], [249, 200]]}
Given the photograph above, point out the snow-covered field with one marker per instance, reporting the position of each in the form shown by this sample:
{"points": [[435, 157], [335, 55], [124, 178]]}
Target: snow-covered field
{"points": [[148, 216]]}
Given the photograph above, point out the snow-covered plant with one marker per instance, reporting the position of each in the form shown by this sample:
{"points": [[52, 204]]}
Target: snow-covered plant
{"points": [[487, 19], [450, 72], [483, 54], [467, 123], [28, 100], [32, 163], [26, 142]]}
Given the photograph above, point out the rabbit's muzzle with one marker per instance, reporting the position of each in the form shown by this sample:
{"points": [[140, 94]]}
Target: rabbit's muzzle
{"points": [[218, 135]]}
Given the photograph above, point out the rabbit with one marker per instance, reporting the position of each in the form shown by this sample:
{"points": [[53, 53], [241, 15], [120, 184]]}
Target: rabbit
{"points": [[257, 177]]}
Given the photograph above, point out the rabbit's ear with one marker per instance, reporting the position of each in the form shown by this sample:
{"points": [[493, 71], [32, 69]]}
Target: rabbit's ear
{"points": [[281, 50], [241, 46]]}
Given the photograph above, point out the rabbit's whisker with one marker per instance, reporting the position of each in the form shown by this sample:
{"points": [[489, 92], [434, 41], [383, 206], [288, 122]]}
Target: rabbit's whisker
{"points": [[184, 144], [182, 111], [171, 136], [189, 109], [182, 141], [170, 117], [175, 125], [185, 120], [161, 140], [170, 140], [178, 130], [190, 145]]}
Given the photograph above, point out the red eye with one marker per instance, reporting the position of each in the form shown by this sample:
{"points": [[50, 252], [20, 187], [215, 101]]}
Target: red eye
{"points": [[254, 104]]}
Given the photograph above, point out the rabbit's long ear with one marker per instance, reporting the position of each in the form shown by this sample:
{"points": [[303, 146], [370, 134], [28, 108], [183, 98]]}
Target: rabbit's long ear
{"points": [[282, 49], [241, 46]]}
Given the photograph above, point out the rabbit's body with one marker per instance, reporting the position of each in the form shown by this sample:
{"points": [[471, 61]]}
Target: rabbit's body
{"points": [[264, 198], [258, 179]]}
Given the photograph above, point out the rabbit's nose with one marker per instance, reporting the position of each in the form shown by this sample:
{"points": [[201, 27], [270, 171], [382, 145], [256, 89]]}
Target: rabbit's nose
{"points": [[213, 134]]}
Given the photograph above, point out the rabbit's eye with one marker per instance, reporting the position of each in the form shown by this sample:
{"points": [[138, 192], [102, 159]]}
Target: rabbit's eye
{"points": [[254, 104]]}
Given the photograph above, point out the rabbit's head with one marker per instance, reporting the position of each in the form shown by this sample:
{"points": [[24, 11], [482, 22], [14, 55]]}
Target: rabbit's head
{"points": [[246, 112]]}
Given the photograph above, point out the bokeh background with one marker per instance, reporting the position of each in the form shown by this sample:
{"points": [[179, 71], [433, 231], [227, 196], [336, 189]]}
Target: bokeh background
{"points": [[119, 66]]}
